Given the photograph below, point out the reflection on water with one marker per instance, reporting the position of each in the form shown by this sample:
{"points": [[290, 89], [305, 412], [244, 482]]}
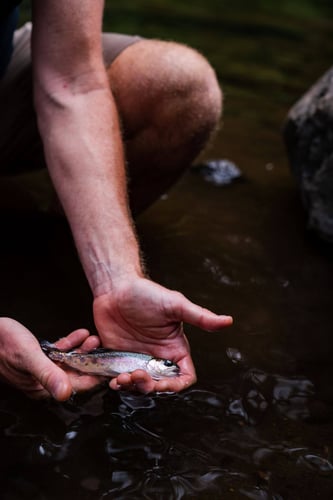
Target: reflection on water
{"points": [[206, 442]]}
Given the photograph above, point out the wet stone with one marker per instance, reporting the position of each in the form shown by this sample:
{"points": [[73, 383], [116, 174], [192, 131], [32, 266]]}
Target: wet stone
{"points": [[234, 355], [308, 135], [316, 463], [220, 172]]}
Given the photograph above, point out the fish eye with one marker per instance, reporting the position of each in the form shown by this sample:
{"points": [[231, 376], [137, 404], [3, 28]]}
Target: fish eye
{"points": [[168, 362]]}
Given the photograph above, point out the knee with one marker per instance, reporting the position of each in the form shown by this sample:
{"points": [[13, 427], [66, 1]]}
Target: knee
{"points": [[171, 84], [188, 85], [194, 78]]}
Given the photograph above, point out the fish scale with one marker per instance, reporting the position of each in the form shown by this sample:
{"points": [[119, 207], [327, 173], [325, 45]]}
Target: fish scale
{"points": [[110, 363]]}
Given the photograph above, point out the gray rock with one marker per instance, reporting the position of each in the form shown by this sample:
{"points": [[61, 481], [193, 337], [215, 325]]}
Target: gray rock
{"points": [[219, 172], [308, 135]]}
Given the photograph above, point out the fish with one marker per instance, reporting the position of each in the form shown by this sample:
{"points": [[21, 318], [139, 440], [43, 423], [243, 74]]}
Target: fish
{"points": [[110, 363]]}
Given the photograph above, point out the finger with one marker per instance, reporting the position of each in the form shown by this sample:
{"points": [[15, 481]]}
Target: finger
{"points": [[142, 381], [38, 392], [81, 383], [185, 379], [77, 337], [122, 382], [187, 311], [175, 384], [139, 380], [48, 374], [91, 343]]}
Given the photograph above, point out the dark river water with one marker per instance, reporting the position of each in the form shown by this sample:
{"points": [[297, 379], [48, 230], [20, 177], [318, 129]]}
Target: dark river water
{"points": [[259, 422]]}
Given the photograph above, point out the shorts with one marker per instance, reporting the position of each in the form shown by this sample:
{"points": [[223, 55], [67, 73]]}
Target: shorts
{"points": [[20, 144]]}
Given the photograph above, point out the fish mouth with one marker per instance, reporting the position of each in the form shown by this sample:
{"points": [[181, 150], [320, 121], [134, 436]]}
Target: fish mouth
{"points": [[174, 372]]}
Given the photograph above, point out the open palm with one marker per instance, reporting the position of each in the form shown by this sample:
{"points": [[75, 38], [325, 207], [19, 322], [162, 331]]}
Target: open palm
{"points": [[143, 316]]}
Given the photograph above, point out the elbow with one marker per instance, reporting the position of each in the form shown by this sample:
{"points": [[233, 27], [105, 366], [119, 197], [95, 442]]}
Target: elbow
{"points": [[60, 93]]}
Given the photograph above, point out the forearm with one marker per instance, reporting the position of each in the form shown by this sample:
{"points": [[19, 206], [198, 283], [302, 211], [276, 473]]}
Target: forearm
{"points": [[78, 122], [84, 154]]}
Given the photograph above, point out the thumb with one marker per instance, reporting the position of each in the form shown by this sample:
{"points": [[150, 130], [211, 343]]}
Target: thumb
{"points": [[49, 375], [191, 313]]}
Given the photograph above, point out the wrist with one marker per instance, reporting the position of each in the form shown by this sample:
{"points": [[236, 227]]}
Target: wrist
{"points": [[112, 261], [106, 279]]}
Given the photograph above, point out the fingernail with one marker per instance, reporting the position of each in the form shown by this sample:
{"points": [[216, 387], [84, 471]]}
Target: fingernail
{"points": [[61, 391]]}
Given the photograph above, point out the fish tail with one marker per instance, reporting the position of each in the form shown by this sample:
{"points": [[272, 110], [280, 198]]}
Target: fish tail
{"points": [[47, 346], [51, 351]]}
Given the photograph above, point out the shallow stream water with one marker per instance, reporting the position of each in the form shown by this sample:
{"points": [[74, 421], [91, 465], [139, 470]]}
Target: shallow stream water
{"points": [[259, 422]]}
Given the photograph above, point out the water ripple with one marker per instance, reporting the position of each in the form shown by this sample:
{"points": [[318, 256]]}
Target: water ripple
{"points": [[208, 442]]}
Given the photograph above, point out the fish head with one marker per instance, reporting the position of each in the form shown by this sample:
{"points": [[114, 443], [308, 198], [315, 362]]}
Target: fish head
{"points": [[160, 368]]}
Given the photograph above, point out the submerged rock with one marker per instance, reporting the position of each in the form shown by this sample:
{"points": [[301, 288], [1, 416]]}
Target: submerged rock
{"points": [[308, 135], [219, 172]]}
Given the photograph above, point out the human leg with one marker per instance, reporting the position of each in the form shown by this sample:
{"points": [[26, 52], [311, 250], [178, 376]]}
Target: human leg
{"points": [[169, 103], [21, 149]]}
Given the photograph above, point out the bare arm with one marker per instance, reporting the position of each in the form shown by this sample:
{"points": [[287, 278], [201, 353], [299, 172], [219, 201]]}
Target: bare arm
{"points": [[79, 125]]}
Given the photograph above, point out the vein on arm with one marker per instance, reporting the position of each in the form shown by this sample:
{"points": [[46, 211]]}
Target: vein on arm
{"points": [[80, 129]]}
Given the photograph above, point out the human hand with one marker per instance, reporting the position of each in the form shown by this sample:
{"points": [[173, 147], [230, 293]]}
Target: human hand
{"points": [[24, 365], [140, 315]]}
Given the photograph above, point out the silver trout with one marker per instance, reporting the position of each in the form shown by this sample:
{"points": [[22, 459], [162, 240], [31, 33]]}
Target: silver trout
{"points": [[109, 363]]}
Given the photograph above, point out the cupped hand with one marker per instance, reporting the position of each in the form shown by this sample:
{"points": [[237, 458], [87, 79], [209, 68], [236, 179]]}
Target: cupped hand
{"points": [[140, 315], [24, 365]]}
